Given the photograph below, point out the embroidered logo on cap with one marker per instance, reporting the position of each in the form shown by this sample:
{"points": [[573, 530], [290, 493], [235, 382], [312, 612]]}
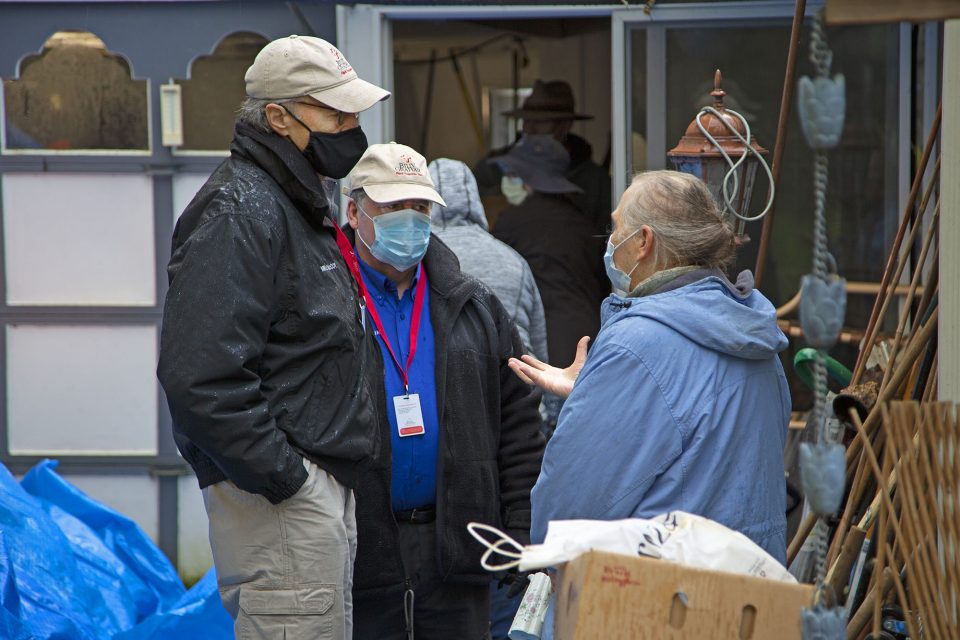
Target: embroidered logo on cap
{"points": [[342, 65], [406, 167]]}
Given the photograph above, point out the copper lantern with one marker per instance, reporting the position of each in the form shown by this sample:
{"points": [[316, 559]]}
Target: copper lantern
{"points": [[698, 155]]}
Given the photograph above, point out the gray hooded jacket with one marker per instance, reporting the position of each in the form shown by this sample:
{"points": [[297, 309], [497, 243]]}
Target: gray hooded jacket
{"points": [[462, 225]]}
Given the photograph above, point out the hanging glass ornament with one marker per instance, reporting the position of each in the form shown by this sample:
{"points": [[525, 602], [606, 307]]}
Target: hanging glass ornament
{"points": [[823, 306], [823, 471], [821, 104]]}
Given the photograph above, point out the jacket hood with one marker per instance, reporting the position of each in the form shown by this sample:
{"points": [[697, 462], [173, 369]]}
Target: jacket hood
{"points": [[456, 185], [735, 320]]}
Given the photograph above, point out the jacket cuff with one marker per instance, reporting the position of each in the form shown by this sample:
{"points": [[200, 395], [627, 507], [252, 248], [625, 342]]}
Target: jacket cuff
{"points": [[278, 493]]}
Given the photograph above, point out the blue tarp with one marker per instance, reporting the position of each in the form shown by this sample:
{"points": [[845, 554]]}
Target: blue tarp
{"points": [[74, 569]]}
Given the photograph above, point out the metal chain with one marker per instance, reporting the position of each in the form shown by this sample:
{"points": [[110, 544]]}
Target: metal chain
{"points": [[820, 397], [820, 54], [821, 57], [819, 215], [820, 549], [820, 257]]}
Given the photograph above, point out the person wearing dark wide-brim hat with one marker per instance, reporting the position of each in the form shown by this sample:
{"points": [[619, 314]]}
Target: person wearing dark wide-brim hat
{"points": [[550, 110], [552, 100], [556, 239]]}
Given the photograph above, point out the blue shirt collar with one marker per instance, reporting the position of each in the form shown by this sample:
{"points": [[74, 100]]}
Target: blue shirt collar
{"points": [[381, 284]]}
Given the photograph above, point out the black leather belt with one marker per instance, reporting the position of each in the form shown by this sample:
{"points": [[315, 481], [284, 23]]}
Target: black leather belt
{"points": [[421, 515]]}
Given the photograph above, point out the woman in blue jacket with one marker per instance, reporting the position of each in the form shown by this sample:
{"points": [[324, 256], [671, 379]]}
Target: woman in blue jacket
{"points": [[682, 403]]}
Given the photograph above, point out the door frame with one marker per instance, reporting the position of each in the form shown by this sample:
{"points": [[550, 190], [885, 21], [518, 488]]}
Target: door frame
{"points": [[656, 23], [364, 37]]}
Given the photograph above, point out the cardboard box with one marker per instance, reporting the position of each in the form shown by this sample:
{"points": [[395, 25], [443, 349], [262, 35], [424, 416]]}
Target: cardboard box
{"points": [[605, 596]]}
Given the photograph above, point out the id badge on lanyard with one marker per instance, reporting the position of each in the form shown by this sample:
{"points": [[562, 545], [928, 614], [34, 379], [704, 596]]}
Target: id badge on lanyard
{"points": [[409, 415], [406, 406]]}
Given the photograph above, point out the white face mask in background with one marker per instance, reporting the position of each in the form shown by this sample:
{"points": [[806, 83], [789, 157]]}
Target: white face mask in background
{"points": [[513, 189]]}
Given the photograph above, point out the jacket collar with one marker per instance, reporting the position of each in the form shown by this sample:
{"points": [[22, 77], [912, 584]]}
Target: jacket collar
{"points": [[741, 289], [443, 272], [662, 281], [281, 159]]}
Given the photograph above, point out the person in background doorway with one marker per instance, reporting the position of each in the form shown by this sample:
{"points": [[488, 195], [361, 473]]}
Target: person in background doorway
{"points": [[549, 110], [556, 240], [462, 226], [461, 441], [682, 403], [264, 356]]}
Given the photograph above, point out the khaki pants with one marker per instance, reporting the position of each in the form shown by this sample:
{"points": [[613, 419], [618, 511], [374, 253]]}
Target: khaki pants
{"points": [[285, 571]]}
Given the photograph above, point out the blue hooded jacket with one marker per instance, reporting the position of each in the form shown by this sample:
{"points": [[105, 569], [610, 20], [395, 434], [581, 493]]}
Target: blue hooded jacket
{"points": [[682, 404]]}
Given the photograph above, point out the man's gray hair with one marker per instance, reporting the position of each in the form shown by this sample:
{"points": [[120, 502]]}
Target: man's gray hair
{"points": [[357, 195], [688, 227], [253, 112]]}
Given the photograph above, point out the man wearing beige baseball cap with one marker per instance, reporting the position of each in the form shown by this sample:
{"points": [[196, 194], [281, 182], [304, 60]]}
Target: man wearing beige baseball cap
{"points": [[460, 441], [265, 351]]}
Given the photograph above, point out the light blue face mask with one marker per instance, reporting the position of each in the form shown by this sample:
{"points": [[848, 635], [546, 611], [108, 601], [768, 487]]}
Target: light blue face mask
{"points": [[619, 279], [402, 237], [513, 190]]}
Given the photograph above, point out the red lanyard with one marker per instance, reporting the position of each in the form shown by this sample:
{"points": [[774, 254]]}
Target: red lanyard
{"points": [[420, 293]]}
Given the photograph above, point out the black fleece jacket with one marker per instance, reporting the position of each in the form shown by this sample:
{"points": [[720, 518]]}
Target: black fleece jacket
{"points": [[490, 441]]}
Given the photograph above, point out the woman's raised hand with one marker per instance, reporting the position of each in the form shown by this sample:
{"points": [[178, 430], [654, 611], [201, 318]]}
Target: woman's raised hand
{"points": [[551, 379]]}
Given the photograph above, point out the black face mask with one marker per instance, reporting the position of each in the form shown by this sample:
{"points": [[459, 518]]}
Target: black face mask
{"points": [[333, 155]]}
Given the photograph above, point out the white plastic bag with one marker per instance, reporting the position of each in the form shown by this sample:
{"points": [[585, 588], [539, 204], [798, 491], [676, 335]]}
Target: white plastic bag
{"points": [[677, 536]]}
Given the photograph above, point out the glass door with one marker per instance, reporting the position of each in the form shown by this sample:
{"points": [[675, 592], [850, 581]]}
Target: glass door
{"points": [[664, 76]]}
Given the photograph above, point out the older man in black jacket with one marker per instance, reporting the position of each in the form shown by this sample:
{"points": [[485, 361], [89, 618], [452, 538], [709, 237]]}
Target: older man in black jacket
{"points": [[464, 440], [264, 355]]}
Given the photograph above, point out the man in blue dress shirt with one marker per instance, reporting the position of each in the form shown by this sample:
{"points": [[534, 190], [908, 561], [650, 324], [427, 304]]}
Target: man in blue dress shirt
{"points": [[460, 441]]}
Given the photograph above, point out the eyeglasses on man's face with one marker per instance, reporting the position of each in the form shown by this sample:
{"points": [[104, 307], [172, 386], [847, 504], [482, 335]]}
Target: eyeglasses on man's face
{"points": [[341, 116]]}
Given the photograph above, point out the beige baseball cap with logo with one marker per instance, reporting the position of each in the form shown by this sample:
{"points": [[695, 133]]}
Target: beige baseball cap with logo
{"points": [[298, 66], [392, 172]]}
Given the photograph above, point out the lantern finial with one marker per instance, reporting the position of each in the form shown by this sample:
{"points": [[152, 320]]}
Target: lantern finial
{"points": [[717, 92]]}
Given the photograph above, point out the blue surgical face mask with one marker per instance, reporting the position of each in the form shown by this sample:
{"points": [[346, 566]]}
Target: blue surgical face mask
{"points": [[619, 279], [401, 238]]}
